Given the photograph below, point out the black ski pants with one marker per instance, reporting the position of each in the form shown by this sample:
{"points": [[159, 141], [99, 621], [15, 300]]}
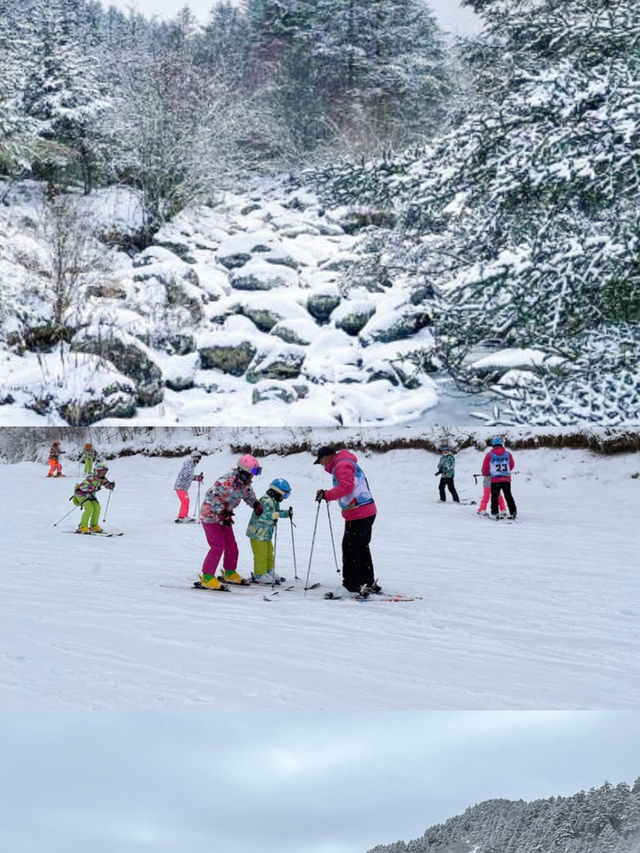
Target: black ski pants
{"points": [[357, 565], [505, 488], [447, 483]]}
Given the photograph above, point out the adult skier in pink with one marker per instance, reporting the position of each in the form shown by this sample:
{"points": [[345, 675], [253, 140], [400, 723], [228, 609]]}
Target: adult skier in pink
{"points": [[498, 465], [351, 490], [216, 516]]}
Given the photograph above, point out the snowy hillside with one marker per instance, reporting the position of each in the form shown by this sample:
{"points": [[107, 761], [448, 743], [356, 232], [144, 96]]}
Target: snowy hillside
{"points": [[536, 614], [601, 820], [236, 314]]}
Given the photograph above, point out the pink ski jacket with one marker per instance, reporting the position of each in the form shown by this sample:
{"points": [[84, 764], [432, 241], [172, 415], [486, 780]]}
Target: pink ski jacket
{"points": [[342, 469]]}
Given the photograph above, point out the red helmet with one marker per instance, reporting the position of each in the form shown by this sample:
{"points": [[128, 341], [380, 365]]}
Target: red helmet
{"points": [[87, 447]]}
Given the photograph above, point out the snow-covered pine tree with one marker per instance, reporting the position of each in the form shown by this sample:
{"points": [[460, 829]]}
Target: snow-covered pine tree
{"points": [[528, 212], [63, 93], [16, 130], [369, 73]]}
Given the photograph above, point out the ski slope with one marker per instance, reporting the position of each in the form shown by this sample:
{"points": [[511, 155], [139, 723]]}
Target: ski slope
{"points": [[534, 615]]}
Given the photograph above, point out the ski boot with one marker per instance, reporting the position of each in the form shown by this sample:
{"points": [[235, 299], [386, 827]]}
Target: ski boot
{"points": [[233, 577], [209, 582], [268, 578], [83, 530]]}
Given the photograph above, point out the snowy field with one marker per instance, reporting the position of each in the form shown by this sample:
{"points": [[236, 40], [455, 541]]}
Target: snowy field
{"points": [[538, 614]]}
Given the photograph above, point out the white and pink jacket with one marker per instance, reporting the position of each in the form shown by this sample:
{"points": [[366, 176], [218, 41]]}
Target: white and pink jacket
{"points": [[350, 487]]}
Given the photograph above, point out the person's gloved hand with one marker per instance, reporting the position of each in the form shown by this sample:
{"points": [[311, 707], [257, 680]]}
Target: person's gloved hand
{"points": [[257, 508], [320, 495], [226, 518], [199, 478], [290, 512], [110, 486], [437, 474]]}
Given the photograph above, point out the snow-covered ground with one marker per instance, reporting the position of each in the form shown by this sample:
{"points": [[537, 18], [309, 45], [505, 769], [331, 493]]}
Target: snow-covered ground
{"points": [[541, 614]]}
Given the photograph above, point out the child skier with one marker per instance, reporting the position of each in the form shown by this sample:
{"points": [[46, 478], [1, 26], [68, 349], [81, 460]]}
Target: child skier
{"points": [[216, 516], [183, 482], [498, 465], [486, 495], [261, 529], [446, 472], [84, 495], [89, 456], [55, 466]]}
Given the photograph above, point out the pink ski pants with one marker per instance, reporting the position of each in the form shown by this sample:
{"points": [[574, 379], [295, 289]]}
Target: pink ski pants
{"points": [[486, 497], [184, 503], [221, 540]]}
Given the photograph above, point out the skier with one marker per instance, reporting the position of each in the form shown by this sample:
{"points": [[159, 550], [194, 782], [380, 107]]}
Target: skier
{"points": [[446, 472], [216, 515], [55, 466], [261, 529], [89, 456], [497, 465], [351, 490], [183, 481], [85, 495], [486, 494]]}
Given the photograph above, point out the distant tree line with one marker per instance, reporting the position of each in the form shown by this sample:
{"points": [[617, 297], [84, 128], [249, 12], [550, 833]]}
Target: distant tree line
{"points": [[90, 95], [602, 820]]}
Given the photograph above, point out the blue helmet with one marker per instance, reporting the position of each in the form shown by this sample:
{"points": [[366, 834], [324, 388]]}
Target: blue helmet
{"points": [[281, 486], [496, 441]]}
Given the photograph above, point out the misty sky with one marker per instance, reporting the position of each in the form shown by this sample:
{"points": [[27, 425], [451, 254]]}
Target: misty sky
{"points": [[451, 16], [291, 782]]}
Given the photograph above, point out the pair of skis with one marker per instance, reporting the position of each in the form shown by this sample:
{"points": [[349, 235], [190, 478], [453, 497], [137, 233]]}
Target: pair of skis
{"points": [[273, 589], [105, 534], [379, 596]]}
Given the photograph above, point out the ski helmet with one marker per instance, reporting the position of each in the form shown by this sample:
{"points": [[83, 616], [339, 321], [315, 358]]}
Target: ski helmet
{"points": [[196, 455], [87, 447], [100, 468], [250, 464], [281, 486], [57, 441], [443, 448], [496, 441]]}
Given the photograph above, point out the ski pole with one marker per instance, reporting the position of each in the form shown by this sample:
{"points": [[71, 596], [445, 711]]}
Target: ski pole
{"points": [[196, 508], [333, 543], [56, 523], [275, 551], [293, 549], [104, 517], [315, 527]]}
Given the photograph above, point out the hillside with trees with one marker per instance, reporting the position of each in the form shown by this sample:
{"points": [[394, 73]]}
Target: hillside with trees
{"points": [[487, 190], [601, 820]]}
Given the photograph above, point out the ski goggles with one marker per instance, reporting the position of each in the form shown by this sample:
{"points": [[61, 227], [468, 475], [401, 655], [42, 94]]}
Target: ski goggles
{"points": [[255, 471]]}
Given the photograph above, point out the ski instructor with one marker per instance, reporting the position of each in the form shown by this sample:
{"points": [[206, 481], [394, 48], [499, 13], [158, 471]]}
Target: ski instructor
{"points": [[351, 490]]}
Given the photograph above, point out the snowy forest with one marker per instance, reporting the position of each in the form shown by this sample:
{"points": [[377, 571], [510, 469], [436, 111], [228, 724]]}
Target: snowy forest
{"points": [[601, 820], [339, 202]]}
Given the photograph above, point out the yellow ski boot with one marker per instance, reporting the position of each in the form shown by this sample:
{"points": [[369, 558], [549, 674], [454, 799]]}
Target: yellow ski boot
{"points": [[234, 577], [209, 582], [83, 530], [96, 529]]}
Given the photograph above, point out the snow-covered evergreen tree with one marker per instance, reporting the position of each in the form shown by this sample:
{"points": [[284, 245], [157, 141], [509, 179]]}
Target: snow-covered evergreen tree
{"points": [[528, 213], [372, 73], [63, 92]]}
